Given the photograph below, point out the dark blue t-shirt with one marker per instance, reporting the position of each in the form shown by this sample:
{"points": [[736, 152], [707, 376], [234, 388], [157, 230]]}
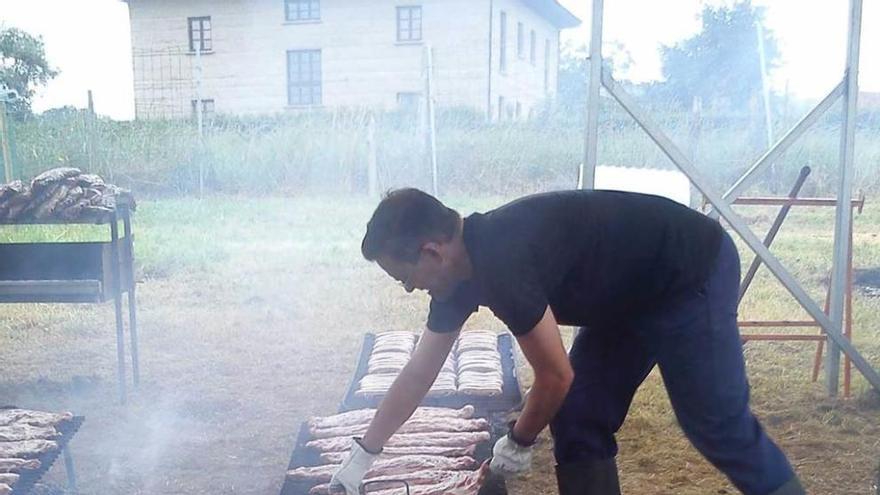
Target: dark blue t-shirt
{"points": [[595, 257]]}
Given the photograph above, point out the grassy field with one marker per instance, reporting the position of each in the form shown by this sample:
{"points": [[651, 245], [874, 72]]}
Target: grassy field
{"points": [[251, 313]]}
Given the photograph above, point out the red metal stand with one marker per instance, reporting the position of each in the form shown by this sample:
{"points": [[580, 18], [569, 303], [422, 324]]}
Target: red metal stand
{"points": [[787, 203]]}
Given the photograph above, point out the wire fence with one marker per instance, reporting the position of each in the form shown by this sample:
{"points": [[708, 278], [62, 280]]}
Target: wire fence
{"points": [[165, 83], [332, 149]]}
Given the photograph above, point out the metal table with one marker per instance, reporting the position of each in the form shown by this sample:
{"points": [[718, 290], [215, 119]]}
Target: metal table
{"points": [[78, 272]]}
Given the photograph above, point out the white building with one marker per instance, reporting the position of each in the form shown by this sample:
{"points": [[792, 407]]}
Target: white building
{"points": [[267, 56]]}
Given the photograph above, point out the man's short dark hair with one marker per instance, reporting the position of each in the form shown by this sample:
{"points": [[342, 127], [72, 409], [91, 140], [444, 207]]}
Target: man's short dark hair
{"points": [[404, 221]]}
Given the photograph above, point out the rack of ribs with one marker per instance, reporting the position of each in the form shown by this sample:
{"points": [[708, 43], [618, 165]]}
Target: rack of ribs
{"points": [[439, 439], [16, 432], [389, 467], [391, 452], [450, 425], [33, 418], [26, 448], [6, 482], [428, 482], [364, 416], [14, 465]]}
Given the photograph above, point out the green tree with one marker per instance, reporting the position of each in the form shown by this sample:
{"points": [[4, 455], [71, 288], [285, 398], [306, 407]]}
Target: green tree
{"points": [[23, 65], [721, 63]]}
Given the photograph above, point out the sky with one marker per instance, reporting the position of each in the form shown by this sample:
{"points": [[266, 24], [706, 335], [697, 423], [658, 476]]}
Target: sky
{"points": [[89, 42]]}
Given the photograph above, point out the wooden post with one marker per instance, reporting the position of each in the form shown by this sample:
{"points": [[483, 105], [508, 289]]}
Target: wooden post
{"points": [[372, 167], [5, 149], [90, 128]]}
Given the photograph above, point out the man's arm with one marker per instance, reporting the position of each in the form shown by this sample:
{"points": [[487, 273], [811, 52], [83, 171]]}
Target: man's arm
{"points": [[409, 388], [544, 350]]}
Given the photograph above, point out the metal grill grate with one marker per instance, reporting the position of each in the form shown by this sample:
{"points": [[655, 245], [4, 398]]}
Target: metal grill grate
{"points": [[510, 398], [305, 456], [28, 478]]}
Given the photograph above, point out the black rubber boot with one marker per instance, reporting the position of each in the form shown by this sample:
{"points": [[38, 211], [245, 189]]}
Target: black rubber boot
{"points": [[793, 487], [588, 478]]}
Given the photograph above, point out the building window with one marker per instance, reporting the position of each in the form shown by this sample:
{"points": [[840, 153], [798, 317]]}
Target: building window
{"points": [[546, 66], [532, 48], [302, 10], [502, 59], [408, 102], [409, 23], [304, 77], [520, 40], [207, 109], [200, 34]]}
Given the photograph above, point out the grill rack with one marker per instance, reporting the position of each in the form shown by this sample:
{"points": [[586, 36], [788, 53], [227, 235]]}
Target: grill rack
{"points": [[29, 477], [510, 398], [305, 456]]}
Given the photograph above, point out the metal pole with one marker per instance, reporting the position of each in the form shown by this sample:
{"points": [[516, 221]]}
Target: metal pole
{"points": [[774, 229], [199, 117], [70, 470], [372, 166], [740, 227], [772, 201], [765, 87], [117, 305], [132, 299], [843, 216], [848, 315], [587, 176], [432, 129]]}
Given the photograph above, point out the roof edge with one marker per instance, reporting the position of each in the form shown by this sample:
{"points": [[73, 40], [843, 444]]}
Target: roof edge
{"points": [[553, 11]]}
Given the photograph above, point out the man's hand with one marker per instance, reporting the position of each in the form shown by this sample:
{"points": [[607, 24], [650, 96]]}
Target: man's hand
{"points": [[510, 457], [350, 475]]}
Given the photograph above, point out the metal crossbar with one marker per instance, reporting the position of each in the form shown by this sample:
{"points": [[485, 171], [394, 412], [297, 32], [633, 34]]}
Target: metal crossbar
{"points": [[848, 89]]}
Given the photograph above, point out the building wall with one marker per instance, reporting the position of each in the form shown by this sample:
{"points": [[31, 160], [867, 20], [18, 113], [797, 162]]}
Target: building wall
{"points": [[362, 62], [522, 82]]}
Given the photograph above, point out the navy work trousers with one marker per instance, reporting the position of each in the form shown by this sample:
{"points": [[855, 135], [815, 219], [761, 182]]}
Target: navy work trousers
{"points": [[696, 344]]}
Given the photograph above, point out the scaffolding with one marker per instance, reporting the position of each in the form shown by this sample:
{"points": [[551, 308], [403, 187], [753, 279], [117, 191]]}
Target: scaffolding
{"points": [[847, 90]]}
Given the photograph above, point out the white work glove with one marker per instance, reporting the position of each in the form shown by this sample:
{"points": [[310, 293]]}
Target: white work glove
{"points": [[510, 457], [351, 473]]}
